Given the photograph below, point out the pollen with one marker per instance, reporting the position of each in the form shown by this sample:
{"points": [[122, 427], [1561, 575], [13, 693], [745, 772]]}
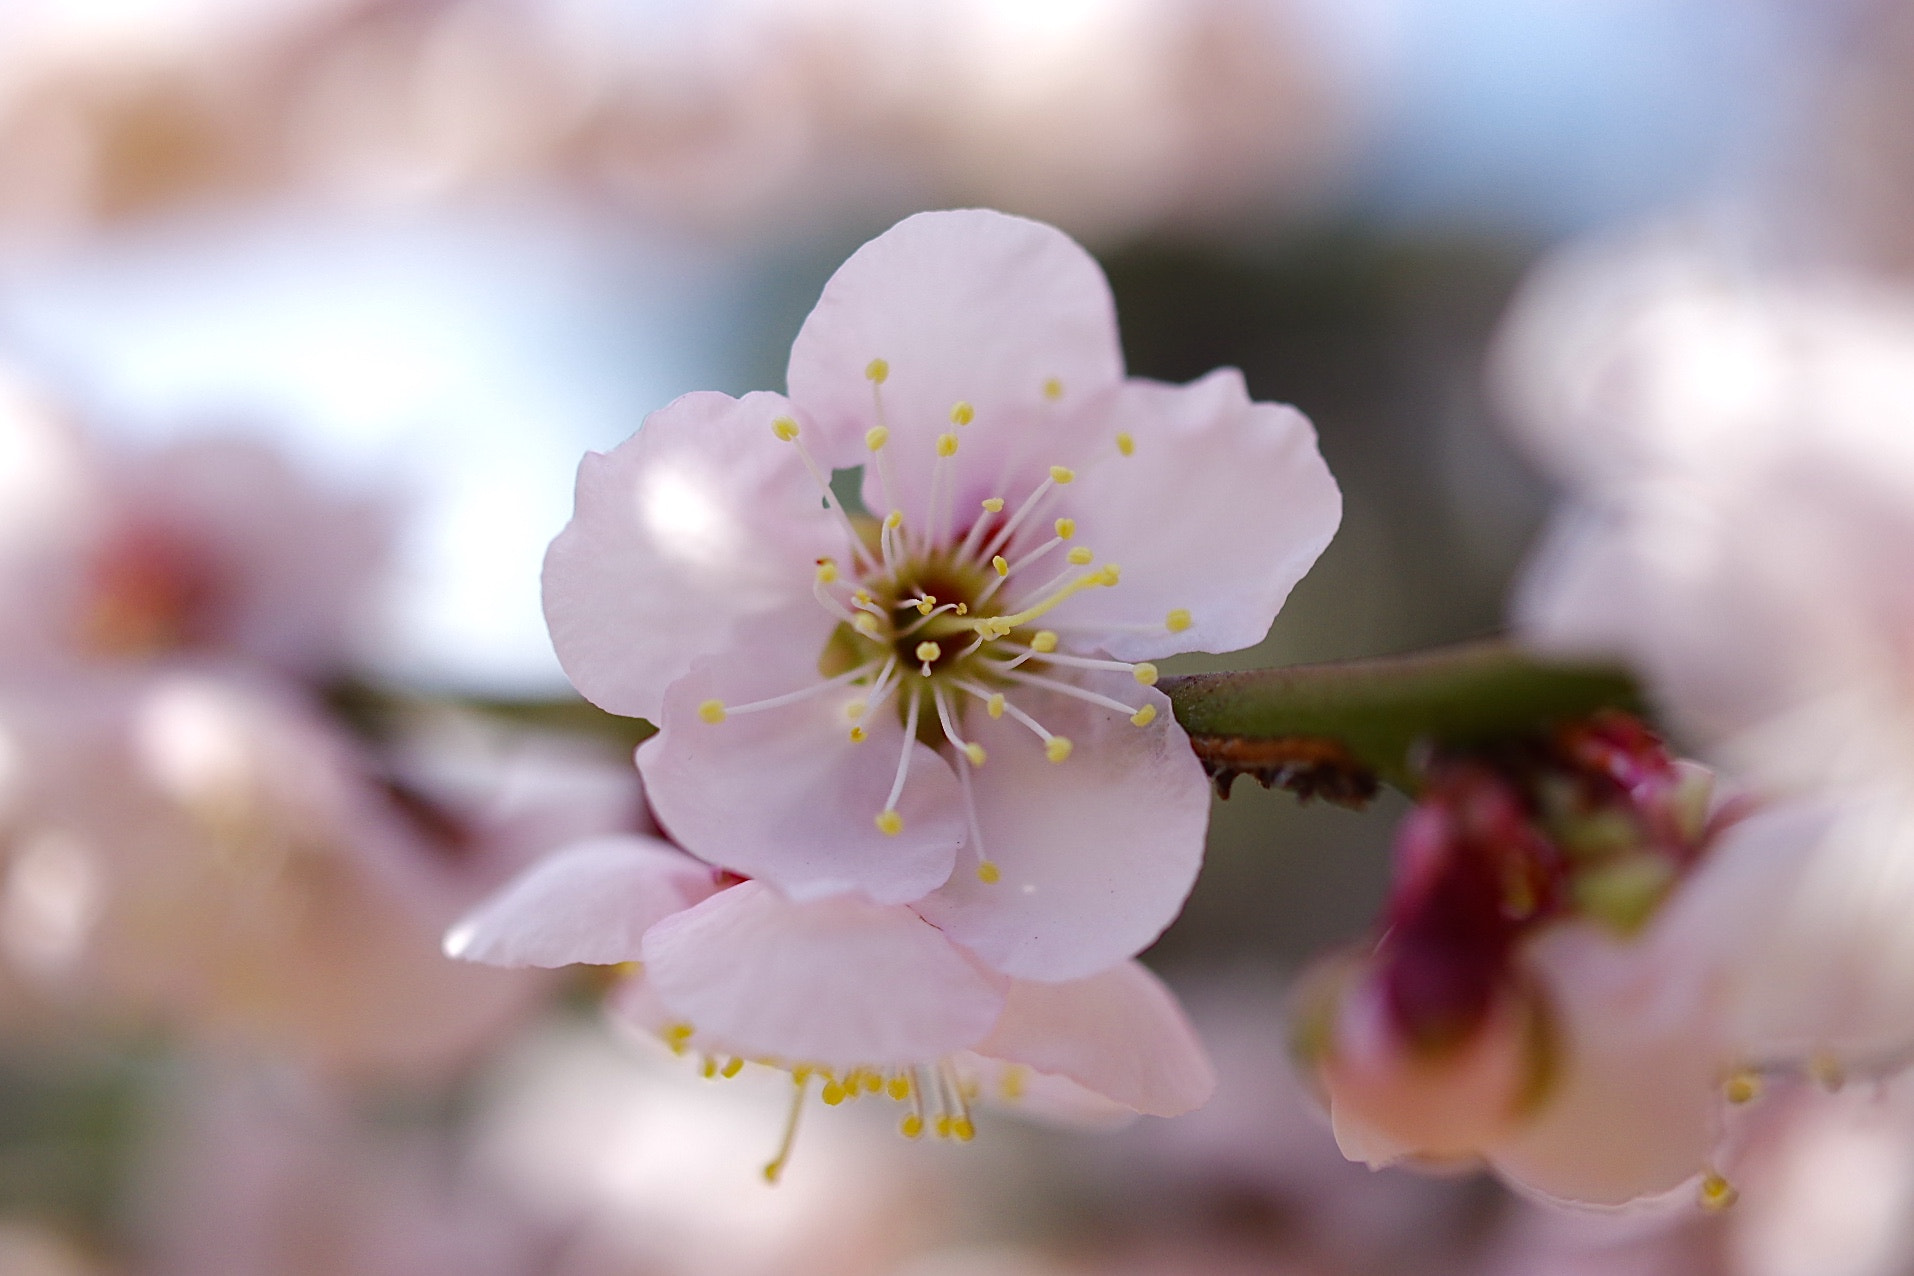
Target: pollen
{"points": [[927, 604], [712, 711], [785, 428], [890, 823], [962, 413], [832, 1094], [1053, 389], [1126, 444], [947, 445], [1001, 564], [1177, 621], [993, 505], [1145, 673], [1045, 642], [1742, 1087], [1110, 576], [1144, 717], [1057, 748], [962, 1130], [877, 371], [975, 752], [1716, 1192], [988, 873], [928, 651], [876, 437], [1081, 556], [995, 705], [1066, 528], [911, 1127], [898, 1088], [732, 1067], [1061, 474], [859, 735]]}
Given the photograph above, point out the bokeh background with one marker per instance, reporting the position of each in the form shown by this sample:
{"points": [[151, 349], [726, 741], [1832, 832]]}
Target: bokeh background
{"points": [[431, 251]]}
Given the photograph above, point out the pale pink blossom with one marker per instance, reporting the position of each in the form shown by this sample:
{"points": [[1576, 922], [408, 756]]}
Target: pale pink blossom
{"points": [[949, 706]]}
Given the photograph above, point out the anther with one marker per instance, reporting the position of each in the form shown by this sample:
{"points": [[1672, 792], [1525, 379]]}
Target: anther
{"points": [[858, 735], [911, 1127], [876, 437], [1177, 621], [732, 1067], [898, 1087], [826, 570], [1066, 528], [785, 428], [877, 371], [1716, 1192], [995, 705], [993, 505], [1045, 641], [1001, 563], [1742, 1087], [1061, 474], [962, 413], [928, 651], [1145, 673], [1110, 576], [1057, 748], [890, 823], [988, 873], [709, 1067], [894, 519], [865, 624], [947, 445], [712, 711], [1080, 556], [832, 1094], [975, 752], [927, 604], [1144, 717], [1053, 389], [962, 1130], [1126, 444]]}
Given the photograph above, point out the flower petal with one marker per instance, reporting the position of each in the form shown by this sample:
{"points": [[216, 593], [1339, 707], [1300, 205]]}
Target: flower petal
{"points": [[1121, 1034], [1048, 1097], [591, 902], [966, 306], [836, 981], [1096, 854], [786, 795], [698, 527], [1221, 507]]}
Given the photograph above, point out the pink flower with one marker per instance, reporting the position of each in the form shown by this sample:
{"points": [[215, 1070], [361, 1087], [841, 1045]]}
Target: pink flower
{"points": [[950, 706], [864, 997]]}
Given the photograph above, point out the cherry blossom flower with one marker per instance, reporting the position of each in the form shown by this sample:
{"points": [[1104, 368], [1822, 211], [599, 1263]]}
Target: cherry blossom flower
{"points": [[861, 997], [949, 705]]}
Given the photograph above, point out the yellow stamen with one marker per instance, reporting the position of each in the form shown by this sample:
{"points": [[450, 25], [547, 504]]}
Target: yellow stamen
{"points": [[1001, 563], [1066, 528], [712, 711], [1126, 444], [732, 1067], [1145, 716], [1110, 575], [785, 428], [1742, 1087], [832, 1093], [1061, 474], [877, 371], [995, 705], [1010, 1085], [975, 752], [1053, 389], [943, 1125], [928, 651], [993, 505], [927, 604], [947, 445], [1145, 673], [1080, 556], [988, 873], [1717, 1193], [911, 1127], [872, 1081], [962, 413], [1177, 621], [865, 624], [890, 823], [1057, 748], [1044, 642], [858, 735], [826, 571], [894, 519], [963, 1130], [710, 1067], [876, 437], [898, 1088], [802, 1077]]}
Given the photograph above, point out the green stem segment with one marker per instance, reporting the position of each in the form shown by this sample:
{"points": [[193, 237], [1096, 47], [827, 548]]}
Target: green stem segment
{"points": [[1337, 729]]}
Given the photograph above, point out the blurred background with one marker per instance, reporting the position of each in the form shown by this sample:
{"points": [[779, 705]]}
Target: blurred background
{"points": [[354, 283]]}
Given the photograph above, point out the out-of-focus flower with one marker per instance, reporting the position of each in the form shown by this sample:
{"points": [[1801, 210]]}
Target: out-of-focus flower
{"points": [[1528, 1001], [1740, 530], [858, 677]]}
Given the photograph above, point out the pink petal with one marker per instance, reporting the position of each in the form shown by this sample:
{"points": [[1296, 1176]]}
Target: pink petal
{"points": [[591, 902], [1048, 1097], [1221, 508], [1121, 1034], [836, 981], [786, 795], [698, 530], [1636, 1109], [1095, 854], [972, 306]]}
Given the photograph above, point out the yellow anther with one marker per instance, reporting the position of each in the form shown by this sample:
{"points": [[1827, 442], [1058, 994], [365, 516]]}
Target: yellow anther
{"points": [[785, 428], [710, 1067], [943, 1127], [856, 709], [802, 1073], [1742, 1087], [1110, 575], [1044, 642], [1126, 444], [894, 519], [1066, 528], [1828, 1072], [995, 705], [962, 413], [1053, 389], [962, 1130], [679, 1033], [865, 624], [732, 1067], [832, 1094], [859, 735], [1177, 621], [1010, 1085], [1145, 673], [947, 445], [877, 371], [1080, 556], [928, 651], [862, 597], [1057, 748], [898, 1088], [890, 823], [1717, 1193], [826, 571], [927, 604], [911, 1127], [963, 609], [988, 873], [1144, 717], [993, 504], [712, 711], [1061, 474], [873, 1081], [876, 437], [1001, 563]]}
